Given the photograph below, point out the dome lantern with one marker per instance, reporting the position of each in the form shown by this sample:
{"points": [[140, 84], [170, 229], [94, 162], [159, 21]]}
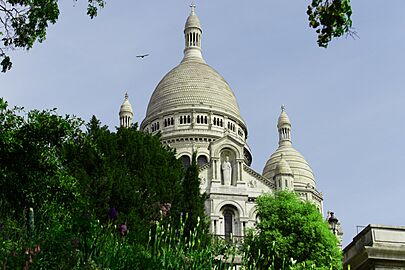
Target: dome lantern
{"points": [[284, 127], [126, 113], [192, 36]]}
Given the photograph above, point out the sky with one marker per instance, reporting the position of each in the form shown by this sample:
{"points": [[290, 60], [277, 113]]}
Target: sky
{"points": [[346, 102]]}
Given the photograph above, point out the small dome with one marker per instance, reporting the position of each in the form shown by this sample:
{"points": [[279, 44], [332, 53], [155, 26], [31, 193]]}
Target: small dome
{"points": [[283, 118], [126, 106], [192, 20], [282, 167], [299, 166]]}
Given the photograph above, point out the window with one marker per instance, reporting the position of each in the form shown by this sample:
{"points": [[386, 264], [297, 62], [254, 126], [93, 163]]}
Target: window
{"points": [[186, 161], [228, 222], [202, 160]]}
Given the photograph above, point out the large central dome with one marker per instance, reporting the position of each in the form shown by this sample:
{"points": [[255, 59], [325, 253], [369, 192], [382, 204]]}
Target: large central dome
{"points": [[192, 83]]}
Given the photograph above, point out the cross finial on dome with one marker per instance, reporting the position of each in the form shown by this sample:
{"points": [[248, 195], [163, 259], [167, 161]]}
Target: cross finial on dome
{"points": [[192, 6], [282, 108], [126, 95]]}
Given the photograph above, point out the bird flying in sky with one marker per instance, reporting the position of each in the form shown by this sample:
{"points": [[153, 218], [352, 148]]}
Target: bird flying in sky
{"points": [[142, 55]]}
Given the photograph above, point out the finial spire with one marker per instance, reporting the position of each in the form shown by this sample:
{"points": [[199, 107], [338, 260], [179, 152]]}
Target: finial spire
{"points": [[192, 6], [284, 127], [126, 95]]}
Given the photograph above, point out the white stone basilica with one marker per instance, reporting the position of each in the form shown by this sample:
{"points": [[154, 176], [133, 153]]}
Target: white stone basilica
{"points": [[194, 109]]}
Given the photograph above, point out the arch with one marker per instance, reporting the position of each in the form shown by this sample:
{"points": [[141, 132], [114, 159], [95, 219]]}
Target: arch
{"points": [[253, 213], [235, 204], [230, 147], [202, 160], [186, 160]]}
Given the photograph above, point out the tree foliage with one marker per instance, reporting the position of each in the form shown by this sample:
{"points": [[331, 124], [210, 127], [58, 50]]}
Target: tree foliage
{"points": [[87, 189], [330, 19], [291, 232], [193, 201], [130, 171], [34, 183], [32, 160], [23, 22]]}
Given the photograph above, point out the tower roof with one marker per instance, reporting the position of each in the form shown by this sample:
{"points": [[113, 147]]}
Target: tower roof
{"points": [[282, 167], [192, 20], [283, 118], [126, 106], [300, 168]]}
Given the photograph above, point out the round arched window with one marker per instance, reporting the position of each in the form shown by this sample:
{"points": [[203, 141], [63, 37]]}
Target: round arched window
{"points": [[202, 160], [186, 161]]}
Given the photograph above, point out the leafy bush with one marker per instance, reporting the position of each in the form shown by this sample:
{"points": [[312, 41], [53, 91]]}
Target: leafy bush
{"points": [[290, 233]]}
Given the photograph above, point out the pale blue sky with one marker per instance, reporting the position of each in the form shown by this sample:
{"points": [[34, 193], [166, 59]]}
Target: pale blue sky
{"points": [[346, 103]]}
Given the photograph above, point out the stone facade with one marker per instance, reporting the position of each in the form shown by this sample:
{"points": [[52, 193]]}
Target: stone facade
{"points": [[194, 109], [376, 247]]}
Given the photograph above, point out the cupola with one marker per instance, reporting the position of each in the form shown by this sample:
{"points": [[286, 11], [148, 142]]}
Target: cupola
{"points": [[126, 113]]}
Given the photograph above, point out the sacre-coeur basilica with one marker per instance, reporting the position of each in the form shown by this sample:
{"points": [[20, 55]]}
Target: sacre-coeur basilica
{"points": [[194, 110]]}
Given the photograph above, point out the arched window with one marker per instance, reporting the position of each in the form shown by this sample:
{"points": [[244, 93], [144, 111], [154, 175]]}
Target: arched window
{"points": [[172, 121], [206, 120], [189, 119], [186, 161], [228, 222], [198, 119], [202, 160]]}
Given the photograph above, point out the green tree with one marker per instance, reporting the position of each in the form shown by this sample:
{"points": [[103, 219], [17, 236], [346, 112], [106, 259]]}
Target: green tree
{"points": [[330, 19], [38, 198], [290, 232], [32, 161], [128, 170], [23, 22], [193, 201]]}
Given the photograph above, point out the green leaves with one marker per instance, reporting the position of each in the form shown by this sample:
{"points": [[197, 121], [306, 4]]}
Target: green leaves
{"points": [[23, 22], [290, 230], [330, 19]]}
